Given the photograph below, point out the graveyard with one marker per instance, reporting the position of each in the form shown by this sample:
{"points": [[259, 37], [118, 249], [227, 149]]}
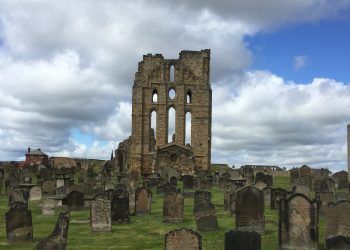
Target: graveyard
{"points": [[146, 231]]}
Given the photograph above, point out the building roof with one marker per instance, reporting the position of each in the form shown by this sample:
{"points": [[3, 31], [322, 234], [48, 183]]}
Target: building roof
{"points": [[36, 152]]}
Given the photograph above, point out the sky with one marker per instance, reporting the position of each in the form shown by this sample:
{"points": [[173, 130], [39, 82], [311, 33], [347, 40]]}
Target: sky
{"points": [[280, 75]]}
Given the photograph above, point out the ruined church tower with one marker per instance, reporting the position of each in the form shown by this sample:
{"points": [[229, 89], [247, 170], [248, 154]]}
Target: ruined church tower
{"points": [[160, 85]]}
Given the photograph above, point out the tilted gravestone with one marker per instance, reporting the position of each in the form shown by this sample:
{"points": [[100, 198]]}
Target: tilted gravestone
{"points": [[184, 239], [241, 240], [204, 212], [35, 193], [19, 223], [48, 207], [338, 219], [143, 201], [100, 215], [120, 207], [250, 209], [298, 223], [302, 189], [75, 200], [173, 207], [58, 238], [338, 242]]}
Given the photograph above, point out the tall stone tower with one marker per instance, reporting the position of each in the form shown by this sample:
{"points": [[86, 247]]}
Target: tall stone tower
{"points": [[160, 85]]}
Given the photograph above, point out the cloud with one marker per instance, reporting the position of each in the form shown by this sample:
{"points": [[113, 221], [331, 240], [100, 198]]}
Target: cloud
{"points": [[263, 119], [299, 62], [71, 65]]}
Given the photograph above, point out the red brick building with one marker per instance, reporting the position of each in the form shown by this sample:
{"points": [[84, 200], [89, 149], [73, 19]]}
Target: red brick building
{"points": [[36, 157]]}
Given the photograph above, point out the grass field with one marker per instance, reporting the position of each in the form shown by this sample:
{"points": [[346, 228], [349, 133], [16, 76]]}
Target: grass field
{"points": [[145, 232]]}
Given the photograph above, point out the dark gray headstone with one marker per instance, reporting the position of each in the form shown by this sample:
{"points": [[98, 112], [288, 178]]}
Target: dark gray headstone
{"points": [[242, 240], [75, 200], [58, 238], [338, 242], [19, 224], [250, 209], [187, 181], [120, 208]]}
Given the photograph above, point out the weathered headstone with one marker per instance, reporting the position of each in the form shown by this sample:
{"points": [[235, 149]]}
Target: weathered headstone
{"points": [[242, 240], [75, 200], [338, 242], [338, 219], [342, 179], [302, 189], [298, 223], [120, 207], [19, 223], [173, 181], [250, 209], [325, 199], [48, 207], [58, 238], [276, 195], [17, 195], [35, 193], [48, 187], [184, 239], [143, 201], [173, 207], [204, 212], [100, 215]]}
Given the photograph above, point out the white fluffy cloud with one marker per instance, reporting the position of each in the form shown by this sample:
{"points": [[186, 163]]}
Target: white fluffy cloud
{"points": [[70, 65]]}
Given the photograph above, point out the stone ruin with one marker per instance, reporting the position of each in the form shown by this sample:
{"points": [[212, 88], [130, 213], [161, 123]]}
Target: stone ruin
{"points": [[164, 84]]}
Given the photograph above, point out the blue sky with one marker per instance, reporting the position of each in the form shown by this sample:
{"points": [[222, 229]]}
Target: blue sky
{"points": [[279, 75], [324, 45]]}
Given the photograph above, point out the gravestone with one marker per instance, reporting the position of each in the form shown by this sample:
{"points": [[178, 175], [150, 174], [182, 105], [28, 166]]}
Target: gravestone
{"points": [[342, 179], [48, 187], [187, 181], [75, 200], [229, 190], [342, 196], [48, 207], [325, 199], [120, 207], [294, 176], [61, 191], [338, 219], [10, 183], [173, 181], [58, 238], [100, 215], [260, 185], [233, 203], [143, 200], [173, 207], [17, 195], [298, 223], [302, 189], [267, 196], [35, 193], [305, 175], [338, 242], [276, 195], [250, 209], [204, 212], [19, 223], [242, 240], [183, 239]]}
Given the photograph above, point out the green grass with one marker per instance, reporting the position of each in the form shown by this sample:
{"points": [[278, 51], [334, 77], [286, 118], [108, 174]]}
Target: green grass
{"points": [[145, 232]]}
